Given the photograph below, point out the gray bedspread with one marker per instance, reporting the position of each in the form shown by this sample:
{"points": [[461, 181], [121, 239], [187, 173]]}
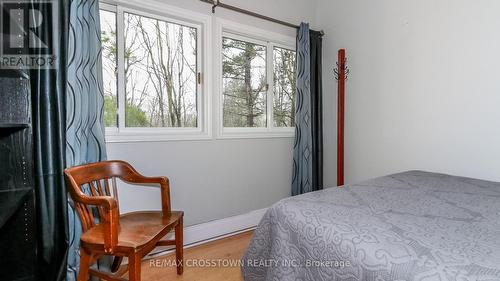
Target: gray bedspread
{"points": [[408, 226]]}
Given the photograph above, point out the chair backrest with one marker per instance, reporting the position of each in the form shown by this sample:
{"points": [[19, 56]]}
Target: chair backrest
{"points": [[96, 179]]}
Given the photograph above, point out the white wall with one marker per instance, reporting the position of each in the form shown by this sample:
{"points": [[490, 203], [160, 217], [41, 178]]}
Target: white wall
{"points": [[424, 90], [217, 178]]}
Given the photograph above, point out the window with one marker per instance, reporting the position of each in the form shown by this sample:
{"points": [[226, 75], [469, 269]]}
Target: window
{"points": [[258, 86], [151, 73], [245, 83], [160, 73], [153, 84], [109, 69]]}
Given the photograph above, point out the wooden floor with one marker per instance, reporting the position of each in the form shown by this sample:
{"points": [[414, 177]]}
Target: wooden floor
{"points": [[221, 252]]}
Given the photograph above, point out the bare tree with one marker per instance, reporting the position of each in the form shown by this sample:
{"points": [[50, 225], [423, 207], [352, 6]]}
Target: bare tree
{"points": [[245, 87], [169, 71], [284, 87]]}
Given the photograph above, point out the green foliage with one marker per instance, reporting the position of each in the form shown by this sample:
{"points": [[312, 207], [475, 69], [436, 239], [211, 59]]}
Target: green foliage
{"points": [[136, 117], [108, 41], [110, 111]]}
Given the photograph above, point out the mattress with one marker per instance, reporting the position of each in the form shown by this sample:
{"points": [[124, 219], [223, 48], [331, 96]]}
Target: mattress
{"points": [[408, 226]]}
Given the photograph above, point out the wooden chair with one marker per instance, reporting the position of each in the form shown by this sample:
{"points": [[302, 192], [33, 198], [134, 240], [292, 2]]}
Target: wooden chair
{"points": [[133, 235]]}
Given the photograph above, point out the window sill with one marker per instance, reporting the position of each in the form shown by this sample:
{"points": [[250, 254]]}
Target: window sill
{"points": [[144, 135], [114, 136], [249, 134]]}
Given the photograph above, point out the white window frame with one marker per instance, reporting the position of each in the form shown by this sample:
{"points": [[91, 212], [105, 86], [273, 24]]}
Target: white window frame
{"points": [[161, 11], [230, 29]]}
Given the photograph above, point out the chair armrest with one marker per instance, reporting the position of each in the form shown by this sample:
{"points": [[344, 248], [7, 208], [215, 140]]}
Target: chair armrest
{"points": [[107, 202], [109, 217], [137, 178]]}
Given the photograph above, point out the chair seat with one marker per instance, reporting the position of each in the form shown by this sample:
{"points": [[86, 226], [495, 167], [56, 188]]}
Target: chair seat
{"points": [[136, 230]]}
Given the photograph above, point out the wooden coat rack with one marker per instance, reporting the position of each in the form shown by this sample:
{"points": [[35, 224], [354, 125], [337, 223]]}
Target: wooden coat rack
{"points": [[341, 73]]}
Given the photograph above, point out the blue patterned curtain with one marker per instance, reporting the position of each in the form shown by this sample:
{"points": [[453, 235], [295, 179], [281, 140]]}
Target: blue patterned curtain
{"points": [[308, 146], [84, 105]]}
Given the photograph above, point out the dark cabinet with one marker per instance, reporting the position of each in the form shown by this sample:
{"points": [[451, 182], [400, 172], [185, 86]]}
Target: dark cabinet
{"points": [[17, 193]]}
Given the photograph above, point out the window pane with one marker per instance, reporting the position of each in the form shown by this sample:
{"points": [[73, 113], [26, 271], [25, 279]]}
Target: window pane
{"points": [[160, 73], [284, 87], [108, 41], [244, 84]]}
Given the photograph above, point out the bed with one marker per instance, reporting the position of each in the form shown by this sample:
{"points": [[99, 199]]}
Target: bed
{"points": [[408, 226]]}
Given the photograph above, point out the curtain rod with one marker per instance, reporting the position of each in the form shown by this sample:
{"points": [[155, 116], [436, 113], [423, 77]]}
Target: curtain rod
{"points": [[218, 3]]}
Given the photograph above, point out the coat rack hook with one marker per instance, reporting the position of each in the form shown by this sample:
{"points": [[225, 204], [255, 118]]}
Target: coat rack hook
{"points": [[216, 4], [336, 71]]}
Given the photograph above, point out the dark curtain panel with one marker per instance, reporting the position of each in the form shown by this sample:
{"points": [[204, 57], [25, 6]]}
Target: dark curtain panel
{"points": [[316, 42], [308, 145], [49, 133]]}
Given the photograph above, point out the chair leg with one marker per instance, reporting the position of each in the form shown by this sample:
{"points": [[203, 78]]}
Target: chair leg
{"points": [[134, 267], [179, 247], [85, 259]]}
